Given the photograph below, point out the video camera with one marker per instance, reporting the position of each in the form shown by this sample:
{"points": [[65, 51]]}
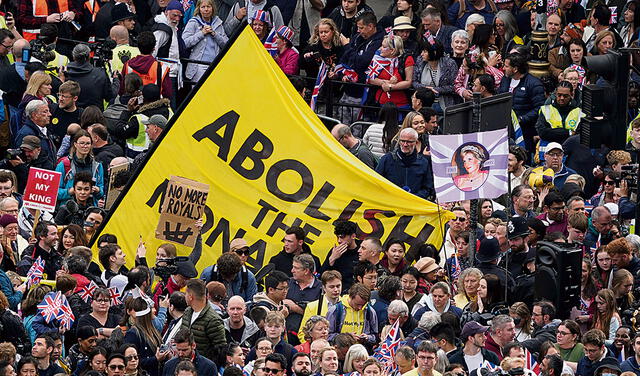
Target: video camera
{"points": [[102, 51], [42, 50], [629, 173], [165, 268], [13, 154]]}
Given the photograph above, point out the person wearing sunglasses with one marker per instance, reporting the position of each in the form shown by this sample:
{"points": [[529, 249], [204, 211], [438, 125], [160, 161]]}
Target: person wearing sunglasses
{"points": [[275, 365], [132, 360], [116, 365], [456, 226]]}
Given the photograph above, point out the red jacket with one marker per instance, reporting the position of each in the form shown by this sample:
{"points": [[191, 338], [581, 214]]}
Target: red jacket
{"points": [[492, 346]]}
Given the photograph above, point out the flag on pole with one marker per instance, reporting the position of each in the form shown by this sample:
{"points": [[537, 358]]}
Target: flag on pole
{"points": [[50, 306], [65, 314], [114, 295], [36, 272], [385, 354], [322, 75], [86, 292], [270, 43], [530, 362]]}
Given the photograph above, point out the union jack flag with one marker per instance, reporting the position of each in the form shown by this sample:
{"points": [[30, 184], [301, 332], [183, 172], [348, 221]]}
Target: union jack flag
{"points": [[386, 353], [114, 295], [36, 272], [378, 64], [346, 71], [86, 292], [488, 366], [614, 15], [270, 43], [530, 362], [322, 75], [455, 270], [65, 314], [50, 306]]}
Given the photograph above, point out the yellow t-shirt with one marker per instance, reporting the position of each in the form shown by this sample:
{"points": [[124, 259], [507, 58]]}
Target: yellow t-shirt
{"points": [[353, 321], [414, 372]]}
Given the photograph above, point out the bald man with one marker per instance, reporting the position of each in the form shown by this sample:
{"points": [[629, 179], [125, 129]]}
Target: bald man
{"points": [[123, 50], [356, 146], [238, 327]]}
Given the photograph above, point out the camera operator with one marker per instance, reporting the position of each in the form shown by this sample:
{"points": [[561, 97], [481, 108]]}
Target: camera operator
{"points": [[55, 61], [21, 160], [94, 82], [174, 277]]}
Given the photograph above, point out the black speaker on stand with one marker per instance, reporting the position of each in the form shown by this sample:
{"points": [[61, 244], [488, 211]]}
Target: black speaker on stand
{"points": [[558, 274]]}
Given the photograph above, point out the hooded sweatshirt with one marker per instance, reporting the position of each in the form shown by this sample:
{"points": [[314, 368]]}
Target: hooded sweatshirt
{"points": [[141, 64], [162, 38]]}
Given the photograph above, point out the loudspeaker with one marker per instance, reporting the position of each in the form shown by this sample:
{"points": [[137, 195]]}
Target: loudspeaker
{"points": [[558, 273], [593, 101], [495, 114], [594, 132]]}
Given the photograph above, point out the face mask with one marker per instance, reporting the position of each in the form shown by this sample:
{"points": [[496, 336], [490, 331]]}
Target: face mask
{"points": [[608, 374], [88, 224]]}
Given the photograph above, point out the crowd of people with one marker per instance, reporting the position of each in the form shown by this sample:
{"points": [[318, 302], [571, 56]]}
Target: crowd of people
{"points": [[82, 106]]}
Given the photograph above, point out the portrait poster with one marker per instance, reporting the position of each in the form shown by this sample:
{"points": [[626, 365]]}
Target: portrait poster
{"points": [[470, 166]]}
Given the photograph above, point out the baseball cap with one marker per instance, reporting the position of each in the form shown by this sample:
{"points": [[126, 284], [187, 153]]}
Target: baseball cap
{"points": [[472, 328], [30, 142]]}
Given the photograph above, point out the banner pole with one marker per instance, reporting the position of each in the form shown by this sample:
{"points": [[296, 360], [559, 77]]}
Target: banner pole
{"points": [[35, 223], [473, 204]]}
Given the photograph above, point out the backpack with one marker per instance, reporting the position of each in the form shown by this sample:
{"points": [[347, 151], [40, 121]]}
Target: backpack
{"points": [[112, 114], [70, 170], [245, 277], [12, 330]]}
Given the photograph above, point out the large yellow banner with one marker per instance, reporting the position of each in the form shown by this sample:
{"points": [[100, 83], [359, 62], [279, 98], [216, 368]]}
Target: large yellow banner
{"points": [[270, 164]]}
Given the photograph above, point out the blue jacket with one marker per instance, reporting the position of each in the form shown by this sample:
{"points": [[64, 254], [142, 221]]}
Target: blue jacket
{"points": [[528, 96], [586, 367], [202, 364], [416, 177], [561, 176], [203, 47], [444, 37], [236, 285], [31, 129], [336, 316], [14, 297], [357, 56], [630, 365], [67, 181]]}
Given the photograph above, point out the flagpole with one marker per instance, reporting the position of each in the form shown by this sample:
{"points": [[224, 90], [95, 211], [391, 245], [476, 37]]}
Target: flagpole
{"points": [[473, 204]]}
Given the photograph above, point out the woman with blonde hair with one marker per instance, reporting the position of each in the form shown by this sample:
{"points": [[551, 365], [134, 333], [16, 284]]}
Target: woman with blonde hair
{"points": [[415, 120], [316, 327], [622, 287], [605, 40], [38, 87], [204, 34], [467, 287], [391, 79], [606, 317], [354, 360], [324, 46]]}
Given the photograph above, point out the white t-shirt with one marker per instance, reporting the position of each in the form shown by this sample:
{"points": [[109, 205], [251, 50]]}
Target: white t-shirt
{"points": [[194, 317], [473, 361]]}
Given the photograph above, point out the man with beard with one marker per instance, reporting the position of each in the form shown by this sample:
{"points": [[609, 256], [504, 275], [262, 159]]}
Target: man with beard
{"points": [[186, 350], [502, 332], [554, 216], [473, 354], [517, 157], [522, 259], [523, 199], [559, 56], [41, 351], [301, 364], [545, 325], [552, 365]]}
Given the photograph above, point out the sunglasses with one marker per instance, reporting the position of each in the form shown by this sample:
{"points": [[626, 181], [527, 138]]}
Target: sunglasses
{"points": [[271, 370], [459, 219], [131, 357], [245, 252], [609, 182], [114, 367]]}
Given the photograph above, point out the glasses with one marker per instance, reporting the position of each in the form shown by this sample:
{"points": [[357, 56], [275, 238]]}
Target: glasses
{"points": [[241, 252], [555, 155], [609, 182], [7, 47], [282, 288], [264, 348], [271, 370], [65, 96], [557, 208], [114, 367], [102, 301], [459, 219], [563, 333], [131, 357], [408, 142]]}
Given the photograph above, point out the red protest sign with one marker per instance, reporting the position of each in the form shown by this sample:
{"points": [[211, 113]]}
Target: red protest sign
{"points": [[42, 189]]}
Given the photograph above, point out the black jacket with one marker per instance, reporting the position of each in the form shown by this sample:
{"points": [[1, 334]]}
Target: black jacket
{"points": [[95, 85], [357, 56], [284, 261], [202, 364], [106, 153], [528, 96], [52, 259]]}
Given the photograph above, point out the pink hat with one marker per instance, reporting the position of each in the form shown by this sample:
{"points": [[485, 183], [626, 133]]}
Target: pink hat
{"points": [[285, 33]]}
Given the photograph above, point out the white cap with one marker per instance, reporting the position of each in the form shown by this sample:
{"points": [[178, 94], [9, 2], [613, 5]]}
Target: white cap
{"points": [[553, 145], [613, 208]]}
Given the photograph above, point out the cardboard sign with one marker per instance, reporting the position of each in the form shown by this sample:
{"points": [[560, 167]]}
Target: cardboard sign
{"points": [[116, 183], [42, 189], [183, 205]]}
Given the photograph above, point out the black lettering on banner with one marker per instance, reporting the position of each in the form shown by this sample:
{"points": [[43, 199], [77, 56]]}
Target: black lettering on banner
{"points": [[158, 193], [229, 122], [222, 228], [247, 151], [348, 211], [208, 220], [266, 207], [399, 232], [313, 209], [377, 228], [278, 224], [290, 164], [310, 229]]}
